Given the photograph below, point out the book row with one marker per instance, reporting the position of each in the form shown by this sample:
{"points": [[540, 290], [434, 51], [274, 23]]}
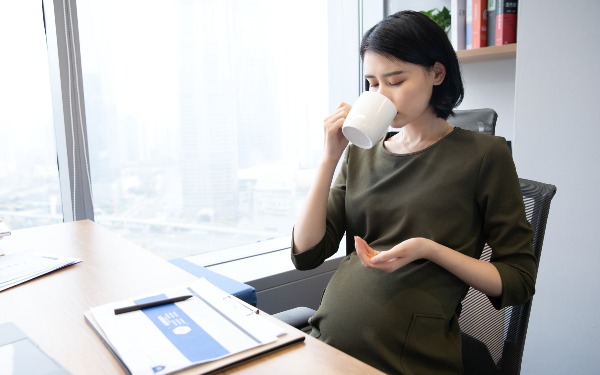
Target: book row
{"points": [[483, 23]]}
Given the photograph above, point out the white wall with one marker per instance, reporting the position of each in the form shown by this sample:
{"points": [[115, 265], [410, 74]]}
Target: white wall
{"points": [[556, 141], [491, 84]]}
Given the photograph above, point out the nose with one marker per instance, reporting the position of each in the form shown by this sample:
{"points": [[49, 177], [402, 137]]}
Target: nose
{"points": [[381, 89]]}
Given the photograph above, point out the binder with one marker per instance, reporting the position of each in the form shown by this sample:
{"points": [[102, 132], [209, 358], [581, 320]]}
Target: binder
{"points": [[208, 332]]}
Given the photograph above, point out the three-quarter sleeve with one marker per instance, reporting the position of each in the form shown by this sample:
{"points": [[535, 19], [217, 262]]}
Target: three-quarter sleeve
{"points": [[506, 228], [335, 225]]}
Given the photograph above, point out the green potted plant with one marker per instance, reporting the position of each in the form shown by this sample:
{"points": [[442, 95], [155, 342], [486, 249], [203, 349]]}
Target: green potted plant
{"points": [[441, 17]]}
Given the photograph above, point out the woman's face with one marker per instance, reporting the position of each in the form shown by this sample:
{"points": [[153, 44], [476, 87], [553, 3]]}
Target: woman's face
{"points": [[408, 86]]}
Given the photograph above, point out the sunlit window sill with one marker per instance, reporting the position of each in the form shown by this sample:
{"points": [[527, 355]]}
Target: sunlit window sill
{"points": [[262, 264]]}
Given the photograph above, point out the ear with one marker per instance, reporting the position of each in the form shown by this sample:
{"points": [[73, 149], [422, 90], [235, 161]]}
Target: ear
{"points": [[439, 73]]}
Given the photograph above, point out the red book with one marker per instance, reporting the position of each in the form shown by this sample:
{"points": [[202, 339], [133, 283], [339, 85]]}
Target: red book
{"points": [[506, 22], [479, 23]]}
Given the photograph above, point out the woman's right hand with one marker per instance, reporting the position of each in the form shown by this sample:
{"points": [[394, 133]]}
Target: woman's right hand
{"points": [[311, 222], [335, 142]]}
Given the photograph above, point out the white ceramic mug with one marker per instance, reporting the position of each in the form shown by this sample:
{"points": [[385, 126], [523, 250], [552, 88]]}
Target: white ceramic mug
{"points": [[369, 119]]}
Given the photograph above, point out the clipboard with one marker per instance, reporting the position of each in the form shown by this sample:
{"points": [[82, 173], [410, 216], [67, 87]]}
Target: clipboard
{"points": [[282, 342], [293, 337], [183, 337]]}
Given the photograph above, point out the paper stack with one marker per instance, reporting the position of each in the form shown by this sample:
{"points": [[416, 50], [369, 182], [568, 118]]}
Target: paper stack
{"points": [[16, 268]]}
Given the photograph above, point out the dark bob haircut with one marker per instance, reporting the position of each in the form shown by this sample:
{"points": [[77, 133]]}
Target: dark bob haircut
{"points": [[414, 38]]}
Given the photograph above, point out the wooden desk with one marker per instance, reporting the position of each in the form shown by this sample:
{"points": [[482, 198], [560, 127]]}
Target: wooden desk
{"points": [[50, 309]]}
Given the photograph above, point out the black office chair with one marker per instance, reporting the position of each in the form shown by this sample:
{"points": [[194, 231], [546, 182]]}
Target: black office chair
{"points": [[481, 120], [493, 340]]}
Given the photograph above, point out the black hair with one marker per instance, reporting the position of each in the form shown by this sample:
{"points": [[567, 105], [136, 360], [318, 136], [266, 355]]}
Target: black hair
{"points": [[416, 39]]}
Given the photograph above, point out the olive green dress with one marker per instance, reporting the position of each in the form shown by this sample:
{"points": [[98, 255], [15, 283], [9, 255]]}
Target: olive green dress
{"points": [[461, 192]]}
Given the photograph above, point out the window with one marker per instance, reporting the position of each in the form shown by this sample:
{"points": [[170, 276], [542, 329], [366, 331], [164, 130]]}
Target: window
{"points": [[204, 116], [29, 183]]}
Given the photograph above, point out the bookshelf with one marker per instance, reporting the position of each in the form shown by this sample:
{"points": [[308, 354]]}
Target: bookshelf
{"points": [[507, 51]]}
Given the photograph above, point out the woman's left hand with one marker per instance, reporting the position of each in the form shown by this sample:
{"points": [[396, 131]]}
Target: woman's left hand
{"points": [[396, 257], [476, 273]]}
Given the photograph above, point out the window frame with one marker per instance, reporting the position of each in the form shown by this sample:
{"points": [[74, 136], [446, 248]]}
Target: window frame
{"points": [[62, 38]]}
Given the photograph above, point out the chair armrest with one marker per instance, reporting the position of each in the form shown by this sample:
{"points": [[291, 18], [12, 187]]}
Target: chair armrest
{"points": [[298, 317]]}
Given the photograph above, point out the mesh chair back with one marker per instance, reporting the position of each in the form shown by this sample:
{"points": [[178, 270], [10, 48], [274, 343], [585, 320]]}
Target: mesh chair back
{"points": [[493, 340], [481, 120]]}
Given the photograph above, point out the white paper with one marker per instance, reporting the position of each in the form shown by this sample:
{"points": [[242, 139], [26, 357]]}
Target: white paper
{"points": [[16, 268]]}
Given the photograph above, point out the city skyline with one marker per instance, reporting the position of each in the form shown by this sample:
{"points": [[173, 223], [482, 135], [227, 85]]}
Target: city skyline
{"points": [[195, 135]]}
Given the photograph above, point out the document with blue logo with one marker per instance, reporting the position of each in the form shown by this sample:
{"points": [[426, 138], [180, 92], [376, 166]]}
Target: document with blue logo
{"points": [[197, 325]]}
